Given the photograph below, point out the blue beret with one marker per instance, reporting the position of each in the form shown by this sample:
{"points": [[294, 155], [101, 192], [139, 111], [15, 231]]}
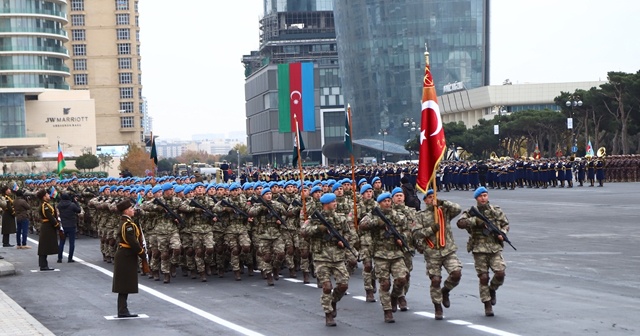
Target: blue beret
{"points": [[179, 189], [234, 186], [212, 185], [479, 192], [198, 184], [375, 179], [167, 186], [383, 197], [336, 186], [365, 188], [264, 191], [327, 198], [222, 186], [156, 189], [315, 188], [395, 191], [280, 184], [429, 192], [362, 180], [247, 186], [316, 182], [102, 188], [346, 180]]}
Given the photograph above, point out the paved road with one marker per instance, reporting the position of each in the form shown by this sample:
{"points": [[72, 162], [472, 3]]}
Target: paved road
{"points": [[576, 272]]}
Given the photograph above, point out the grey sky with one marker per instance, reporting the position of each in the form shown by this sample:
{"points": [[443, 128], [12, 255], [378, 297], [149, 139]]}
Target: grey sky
{"points": [[194, 81]]}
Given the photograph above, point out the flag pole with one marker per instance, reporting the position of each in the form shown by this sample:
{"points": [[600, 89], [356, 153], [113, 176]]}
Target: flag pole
{"points": [[304, 201], [354, 184], [153, 163]]}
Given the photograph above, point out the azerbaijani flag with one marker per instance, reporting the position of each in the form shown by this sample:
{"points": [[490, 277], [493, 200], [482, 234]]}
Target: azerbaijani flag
{"points": [[590, 149], [61, 163], [53, 193], [296, 97], [15, 187], [139, 200]]}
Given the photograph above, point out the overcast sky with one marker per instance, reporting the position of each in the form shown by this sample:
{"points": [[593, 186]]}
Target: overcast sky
{"points": [[194, 80]]}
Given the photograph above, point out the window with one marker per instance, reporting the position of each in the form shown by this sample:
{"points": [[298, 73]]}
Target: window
{"points": [[126, 107], [77, 5], [122, 4], [126, 93], [78, 34], [124, 48], [79, 50], [124, 63], [140, 97], [77, 20], [80, 64], [125, 78], [126, 122], [80, 79], [122, 19], [140, 79], [123, 33]]}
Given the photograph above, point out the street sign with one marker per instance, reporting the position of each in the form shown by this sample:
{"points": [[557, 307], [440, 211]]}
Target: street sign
{"points": [[574, 149]]}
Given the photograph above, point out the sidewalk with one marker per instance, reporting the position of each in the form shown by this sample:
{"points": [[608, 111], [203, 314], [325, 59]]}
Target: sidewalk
{"points": [[15, 320]]}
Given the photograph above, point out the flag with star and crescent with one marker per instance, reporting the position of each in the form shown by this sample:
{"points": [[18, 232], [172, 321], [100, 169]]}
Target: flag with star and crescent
{"points": [[432, 141]]}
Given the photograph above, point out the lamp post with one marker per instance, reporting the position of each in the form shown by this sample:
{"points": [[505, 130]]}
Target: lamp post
{"points": [[383, 132], [573, 102], [500, 110], [410, 125]]}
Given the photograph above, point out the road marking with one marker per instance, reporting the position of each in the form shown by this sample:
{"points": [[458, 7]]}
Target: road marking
{"points": [[486, 329], [361, 298], [115, 317], [39, 271], [292, 280], [159, 295], [312, 285]]}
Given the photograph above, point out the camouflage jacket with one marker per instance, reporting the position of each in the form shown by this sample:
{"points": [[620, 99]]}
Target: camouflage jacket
{"points": [[292, 217], [408, 224], [478, 241], [426, 239], [384, 244], [201, 223], [235, 223], [324, 247], [165, 223], [266, 226]]}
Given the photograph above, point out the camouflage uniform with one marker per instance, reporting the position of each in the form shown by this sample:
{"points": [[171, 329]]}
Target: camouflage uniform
{"points": [[271, 245], [487, 250], [187, 257], [328, 258], [290, 234], [388, 258], [148, 222], [168, 237], [305, 251], [237, 232], [438, 252], [405, 228], [364, 208], [345, 209]]}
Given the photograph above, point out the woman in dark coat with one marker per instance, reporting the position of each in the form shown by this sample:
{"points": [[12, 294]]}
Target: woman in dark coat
{"points": [[125, 265], [49, 230], [22, 208], [8, 215]]}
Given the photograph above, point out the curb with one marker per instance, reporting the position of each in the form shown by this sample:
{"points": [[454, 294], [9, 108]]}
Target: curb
{"points": [[6, 268]]}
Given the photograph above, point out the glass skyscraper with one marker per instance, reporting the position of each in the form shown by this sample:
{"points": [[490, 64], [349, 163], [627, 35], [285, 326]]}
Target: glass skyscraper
{"points": [[381, 47]]}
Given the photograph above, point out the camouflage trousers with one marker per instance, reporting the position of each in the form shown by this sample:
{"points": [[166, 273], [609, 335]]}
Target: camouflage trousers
{"points": [[435, 263], [187, 257], [483, 262], [304, 262], [271, 252], [220, 247], [384, 270], [291, 245], [203, 249], [152, 243], [324, 271], [367, 269], [167, 245], [240, 246], [408, 261]]}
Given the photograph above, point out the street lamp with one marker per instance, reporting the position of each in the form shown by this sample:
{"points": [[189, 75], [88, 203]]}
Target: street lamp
{"points": [[410, 125], [383, 132], [500, 110], [573, 102]]}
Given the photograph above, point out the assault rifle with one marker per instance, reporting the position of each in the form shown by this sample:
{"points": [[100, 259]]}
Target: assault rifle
{"points": [[207, 212], [333, 233], [170, 212], [237, 210], [271, 210], [490, 228], [391, 230], [295, 202]]}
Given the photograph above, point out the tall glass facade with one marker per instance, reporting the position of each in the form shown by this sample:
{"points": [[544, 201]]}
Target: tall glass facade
{"points": [[32, 38], [381, 54], [12, 115], [275, 6]]}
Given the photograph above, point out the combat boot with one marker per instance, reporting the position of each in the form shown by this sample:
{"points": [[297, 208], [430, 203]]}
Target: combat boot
{"points": [[445, 297], [402, 303], [167, 277], [203, 277], [194, 274], [370, 297], [394, 304], [185, 271], [237, 274], [207, 269], [305, 277], [328, 320], [156, 275], [269, 279], [292, 273], [488, 310], [173, 271], [220, 272], [494, 300], [388, 317], [276, 274], [438, 313]]}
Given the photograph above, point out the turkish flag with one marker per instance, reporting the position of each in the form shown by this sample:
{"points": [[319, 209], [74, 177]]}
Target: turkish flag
{"points": [[432, 141]]}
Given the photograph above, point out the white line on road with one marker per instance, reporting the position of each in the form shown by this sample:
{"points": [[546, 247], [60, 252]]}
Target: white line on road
{"points": [[115, 318], [292, 280], [361, 298], [176, 302], [486, 329]]}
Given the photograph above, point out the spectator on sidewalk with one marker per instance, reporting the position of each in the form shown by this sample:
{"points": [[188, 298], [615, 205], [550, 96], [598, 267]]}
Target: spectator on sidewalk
{"points": [[22, 219], [8, 215], [68, 210]]}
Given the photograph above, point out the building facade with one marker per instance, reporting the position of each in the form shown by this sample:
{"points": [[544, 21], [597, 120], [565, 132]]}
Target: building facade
{"points": [[291, 31], [105, 58], [381, 48]]}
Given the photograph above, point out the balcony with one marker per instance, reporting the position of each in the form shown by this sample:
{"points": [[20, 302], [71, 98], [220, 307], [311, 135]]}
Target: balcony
{"points": [[62, 68], [58, 14], [54, 49], [34, 85], [34, 31]]}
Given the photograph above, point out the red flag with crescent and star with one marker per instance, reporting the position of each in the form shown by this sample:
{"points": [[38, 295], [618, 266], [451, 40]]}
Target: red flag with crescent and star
{"points": [[432, 141]]}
